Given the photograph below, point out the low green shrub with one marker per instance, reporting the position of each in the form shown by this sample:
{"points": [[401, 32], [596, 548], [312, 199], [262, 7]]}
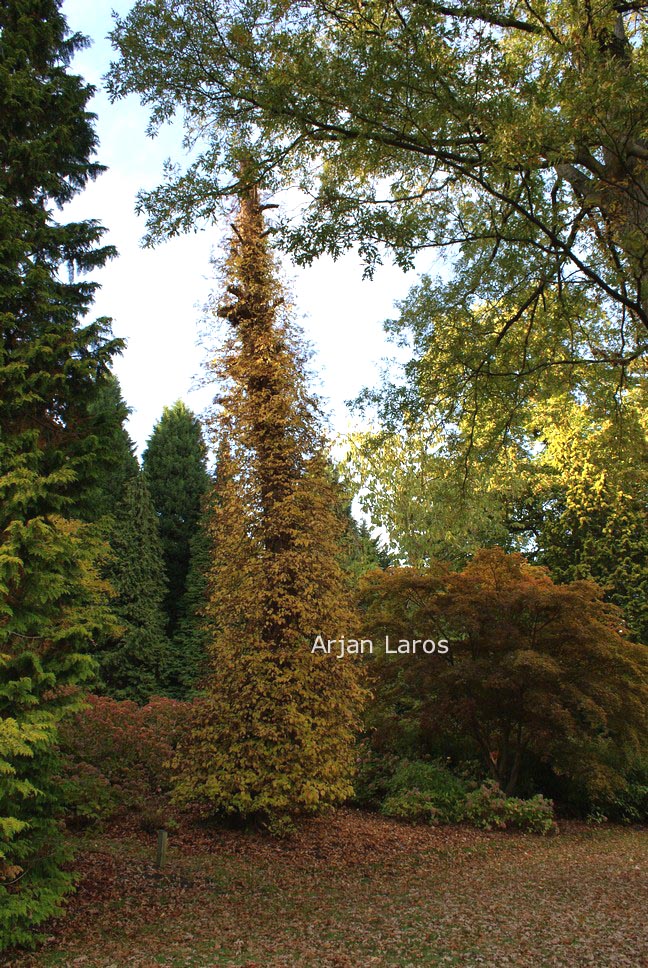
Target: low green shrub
{"points": [[534, 816], [425, 791], [413, 806], [490, 809], [486, 807]]}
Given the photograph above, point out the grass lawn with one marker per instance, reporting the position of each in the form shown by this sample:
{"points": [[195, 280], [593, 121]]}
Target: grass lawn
{"points": [[354, 890]]}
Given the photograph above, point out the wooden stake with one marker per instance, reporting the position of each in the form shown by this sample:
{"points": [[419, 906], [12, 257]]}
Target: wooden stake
{"points": [[163, 837]]}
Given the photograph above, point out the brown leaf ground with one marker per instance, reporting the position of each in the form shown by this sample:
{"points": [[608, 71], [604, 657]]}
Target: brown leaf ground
{"points": [[354, 890]]}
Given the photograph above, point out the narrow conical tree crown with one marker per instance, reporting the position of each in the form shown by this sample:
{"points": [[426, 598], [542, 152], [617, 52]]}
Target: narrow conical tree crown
{"points": [[273, 737], [175, 468], [52, 602], [115, 460]]}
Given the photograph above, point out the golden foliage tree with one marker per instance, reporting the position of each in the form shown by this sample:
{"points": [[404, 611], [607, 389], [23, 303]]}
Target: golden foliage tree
{"points": [[273, 736]]}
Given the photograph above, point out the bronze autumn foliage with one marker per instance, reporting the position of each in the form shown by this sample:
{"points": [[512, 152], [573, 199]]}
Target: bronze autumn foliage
{"points": [[534, 667], [273, 736]]}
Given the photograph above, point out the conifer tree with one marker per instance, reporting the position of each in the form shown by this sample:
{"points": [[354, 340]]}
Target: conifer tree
{"points": [[188, 647], [273, 736], [174, 464], [115, 460], [364, 552], [52, 601], [133, 664]]}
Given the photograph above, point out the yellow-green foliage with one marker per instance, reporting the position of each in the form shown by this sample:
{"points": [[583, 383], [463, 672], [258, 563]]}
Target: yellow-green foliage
{"points": [[51, 605], [273, 737]]}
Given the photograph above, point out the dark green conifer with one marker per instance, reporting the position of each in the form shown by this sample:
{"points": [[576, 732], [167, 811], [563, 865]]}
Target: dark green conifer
{"points": [[52, 601], [134, 664], [115, 460], [174, 464], [189, 644]]}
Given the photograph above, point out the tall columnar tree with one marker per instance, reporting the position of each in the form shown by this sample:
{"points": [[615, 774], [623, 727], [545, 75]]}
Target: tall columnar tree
{"points": [[273, 736], [134, 663], [52, 602], [175, 466]]}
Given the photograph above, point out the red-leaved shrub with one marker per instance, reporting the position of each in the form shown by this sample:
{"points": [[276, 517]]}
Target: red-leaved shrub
{"points": [[115, 754]]}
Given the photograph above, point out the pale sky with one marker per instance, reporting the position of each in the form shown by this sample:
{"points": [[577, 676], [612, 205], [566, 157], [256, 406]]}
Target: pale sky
{"points": [[155, 296]]}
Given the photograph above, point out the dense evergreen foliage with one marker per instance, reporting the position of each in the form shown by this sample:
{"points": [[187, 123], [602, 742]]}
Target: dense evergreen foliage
{"points": [[363, 550], [174, 465], [52, 602], [134, 664], [116, 460], [188, 647]]}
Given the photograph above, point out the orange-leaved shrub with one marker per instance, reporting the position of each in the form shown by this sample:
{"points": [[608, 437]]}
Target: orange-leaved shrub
{"points": [[116, 754]]}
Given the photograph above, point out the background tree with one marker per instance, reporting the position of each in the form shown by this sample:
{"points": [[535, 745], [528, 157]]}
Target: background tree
{"points": [[535, 669], [134, 663], [114, 462], [186, 667], [566, 484], [595, 521], [516, 134], [365, 551], [362, 550], [411, 483], [52, 602], [274, 735], [174, 463]]}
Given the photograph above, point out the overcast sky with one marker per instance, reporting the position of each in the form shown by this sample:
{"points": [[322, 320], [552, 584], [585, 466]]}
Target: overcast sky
{"points": [[155, 297]]}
